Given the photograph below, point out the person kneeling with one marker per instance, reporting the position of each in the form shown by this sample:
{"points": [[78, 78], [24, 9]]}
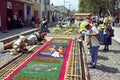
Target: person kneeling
{"points": [[36, 38], [20, 45], [33, 38], [42, 37]]}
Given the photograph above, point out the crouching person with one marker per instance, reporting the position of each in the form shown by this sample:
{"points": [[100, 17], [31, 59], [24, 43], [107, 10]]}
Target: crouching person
{"points": [[20, 45], [33, 39], [36, 38], [42, 36]]}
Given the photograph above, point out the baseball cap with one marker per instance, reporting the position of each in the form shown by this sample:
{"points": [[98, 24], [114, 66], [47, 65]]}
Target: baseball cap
{"points": [[22, 38]]}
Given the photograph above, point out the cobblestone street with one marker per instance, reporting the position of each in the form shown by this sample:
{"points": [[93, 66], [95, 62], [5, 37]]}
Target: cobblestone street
{"points": [[108, 65]]}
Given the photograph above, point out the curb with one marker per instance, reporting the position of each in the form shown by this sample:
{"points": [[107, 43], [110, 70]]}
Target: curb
{"points": [[8, 39]]}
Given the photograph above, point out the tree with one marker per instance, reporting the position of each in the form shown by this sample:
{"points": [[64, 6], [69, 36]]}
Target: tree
{"points": [[97, 6]]}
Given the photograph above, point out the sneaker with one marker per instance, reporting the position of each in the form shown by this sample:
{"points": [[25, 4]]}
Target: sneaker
{"points": [[90, 63]]}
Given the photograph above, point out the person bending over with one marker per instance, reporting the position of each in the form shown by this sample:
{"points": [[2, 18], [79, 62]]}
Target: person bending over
{"points": [[20, 45]]}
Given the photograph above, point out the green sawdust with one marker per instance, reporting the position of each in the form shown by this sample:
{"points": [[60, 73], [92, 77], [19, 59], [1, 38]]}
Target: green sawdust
{"points": [[60, 41], [40, 71], [68, 30]]}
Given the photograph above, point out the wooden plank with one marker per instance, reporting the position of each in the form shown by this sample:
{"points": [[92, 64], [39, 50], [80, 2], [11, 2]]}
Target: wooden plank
{"points": [[8, 45]]}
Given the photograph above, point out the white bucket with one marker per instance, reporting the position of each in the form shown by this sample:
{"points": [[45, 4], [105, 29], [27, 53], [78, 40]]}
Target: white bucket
{"points": [[1, 47]]}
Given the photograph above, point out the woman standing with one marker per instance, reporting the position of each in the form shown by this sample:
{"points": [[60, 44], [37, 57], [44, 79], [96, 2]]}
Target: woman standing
{"points": [[107, 38]]}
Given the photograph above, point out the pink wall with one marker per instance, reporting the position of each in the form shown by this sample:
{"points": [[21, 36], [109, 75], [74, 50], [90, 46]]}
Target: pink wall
{"points": [[3, 14], [16, 6]]}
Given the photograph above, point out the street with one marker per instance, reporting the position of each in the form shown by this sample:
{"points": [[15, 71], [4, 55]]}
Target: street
{"points": [[108, 65], [65, 24]]}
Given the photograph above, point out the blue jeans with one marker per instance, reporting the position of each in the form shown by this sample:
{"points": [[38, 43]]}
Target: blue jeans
{"points": [[94, 54]]}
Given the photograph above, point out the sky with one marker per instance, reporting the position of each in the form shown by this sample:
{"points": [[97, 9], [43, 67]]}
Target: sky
{"points": [[73, 3]]}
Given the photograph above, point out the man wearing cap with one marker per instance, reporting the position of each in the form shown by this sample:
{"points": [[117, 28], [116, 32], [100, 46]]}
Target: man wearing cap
{"points": [[93, 33], [20, 45]]}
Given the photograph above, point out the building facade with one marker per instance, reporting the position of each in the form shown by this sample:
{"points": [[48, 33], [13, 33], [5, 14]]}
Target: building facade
{"points": [[25, 9], [9, 8]]}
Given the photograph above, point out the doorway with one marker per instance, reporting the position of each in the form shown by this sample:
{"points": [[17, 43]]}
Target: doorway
{"points": [[20, 14], [9, 18]]}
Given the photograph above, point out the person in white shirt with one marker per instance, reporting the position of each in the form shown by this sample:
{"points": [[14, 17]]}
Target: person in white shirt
{"points": [[20, 45], [36, 38], [93, 33], [33, 38]]}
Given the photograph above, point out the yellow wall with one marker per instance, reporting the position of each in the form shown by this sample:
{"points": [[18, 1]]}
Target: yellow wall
{"points": [[36, 6]]}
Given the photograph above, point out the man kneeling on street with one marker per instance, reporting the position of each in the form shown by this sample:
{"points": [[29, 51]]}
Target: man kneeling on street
{"points": [[36, 38], [20, 45]]}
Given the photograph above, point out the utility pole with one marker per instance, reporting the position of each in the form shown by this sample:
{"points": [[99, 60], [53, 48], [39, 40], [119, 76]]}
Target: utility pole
{"points": [[65, 4], [69, 8], [64, 7], [45, 8]]}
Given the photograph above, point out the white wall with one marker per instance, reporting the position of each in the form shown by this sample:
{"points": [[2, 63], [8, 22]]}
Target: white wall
{"points": [[25, 11], [0, 20]]}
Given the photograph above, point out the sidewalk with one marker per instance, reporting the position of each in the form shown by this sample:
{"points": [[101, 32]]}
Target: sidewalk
{"points": [[25, 30], [117, 35], [6, 37], [108, 65], [13, 32]]}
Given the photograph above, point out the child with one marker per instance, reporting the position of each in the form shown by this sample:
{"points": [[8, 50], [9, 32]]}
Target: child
{"points": [[80, 39], [20, 45]]}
